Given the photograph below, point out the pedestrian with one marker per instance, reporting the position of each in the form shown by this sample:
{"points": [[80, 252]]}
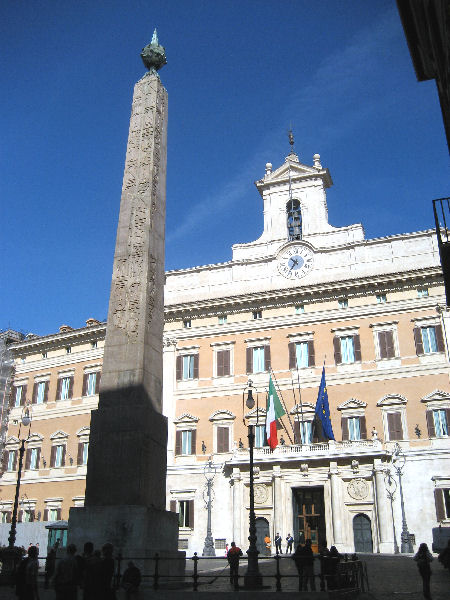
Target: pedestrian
{"points": [[308, 567], [444, 557], [268, 545], [106, 572], [66, 575], [297, 557], [278, 543], [91, 572], [131, 580], [323, 558], [289, 542], [423, 559], [233, 555], [50, 563], [26, 576], [331, 568]]}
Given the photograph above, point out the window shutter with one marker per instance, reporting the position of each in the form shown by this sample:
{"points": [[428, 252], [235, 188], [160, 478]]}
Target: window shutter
{"points": [[179, 368], [38, 458], [344, 425], [223, 363], [98, 376], [58, 389], [357, 346], [194, 442], [292, 356], [63, 459], [80, 453], [439, 503], [418, 340], [12, 399], [395, 426], [363, 427], [311, 355], [47, 385], [85, 381], [249, 356], [70, 393], [32, 515], [382, 344], [439, 339], [34, 397], [430, 424], [267, 358], [226, 362], [447, 415], [178, 442], [223, 439], [5, 460], [173, 506], [28, 458], [58, 514], [337, 350], [8, 516], [195, 366], [15, 460], [23, 400], [20, 516], [45, 515], [191, 514], [297, 435], [390, 349], [52, 456]]}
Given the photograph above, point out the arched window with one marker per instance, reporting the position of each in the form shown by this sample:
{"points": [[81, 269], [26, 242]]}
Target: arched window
{"points": [[294, 220]]}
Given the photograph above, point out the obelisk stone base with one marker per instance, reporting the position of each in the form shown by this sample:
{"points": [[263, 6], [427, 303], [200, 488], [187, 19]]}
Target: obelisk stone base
{"points": [[136, 532]]}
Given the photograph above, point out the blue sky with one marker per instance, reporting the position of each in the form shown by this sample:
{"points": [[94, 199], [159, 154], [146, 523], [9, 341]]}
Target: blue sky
{"points": [[238, 74]]}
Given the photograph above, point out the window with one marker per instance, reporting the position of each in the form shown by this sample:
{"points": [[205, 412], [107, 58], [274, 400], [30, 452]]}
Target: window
{"points": [[260, 436], [303, 432], [40, 392], [428, 339], [422, 292], [64, 388], [301, 354], [442, 503], [343, 303], [185, 442], [223, 362], [53, 514], [187, 367], [186, 513], [32, 458], [187, 323], [12, 460], [83, 451], [258, 359], [299, 309], [19, 394], [28, 516], [5, 516], [223, 439], [91, 383], [381, 298], [347, 349], [438, 422], [257, 314], [222, 319], [394, 424], [354, 428], [58, 456], [386, 344]]}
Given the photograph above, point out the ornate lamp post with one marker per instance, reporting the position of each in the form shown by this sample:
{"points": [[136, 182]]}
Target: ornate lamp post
{"points": [[398, 462], [209, 471], [391, 488], [252, 578]]}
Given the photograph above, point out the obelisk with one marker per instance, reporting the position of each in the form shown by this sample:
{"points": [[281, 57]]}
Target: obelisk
{"points": [[126, 471]]}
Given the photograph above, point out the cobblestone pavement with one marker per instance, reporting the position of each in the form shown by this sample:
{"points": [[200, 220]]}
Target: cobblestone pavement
{"points": [[390, 577]]}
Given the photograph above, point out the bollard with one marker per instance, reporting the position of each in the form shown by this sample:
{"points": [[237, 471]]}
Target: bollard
{"points": [[278, 575], [156, 573], [195, 575]]}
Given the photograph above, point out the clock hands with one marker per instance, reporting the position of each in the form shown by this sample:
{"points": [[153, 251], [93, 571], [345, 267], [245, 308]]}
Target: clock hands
{"points": [[294, 262]]}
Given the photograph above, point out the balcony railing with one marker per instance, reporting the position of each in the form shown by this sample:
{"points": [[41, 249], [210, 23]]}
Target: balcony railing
{"points": [[331, 447]]}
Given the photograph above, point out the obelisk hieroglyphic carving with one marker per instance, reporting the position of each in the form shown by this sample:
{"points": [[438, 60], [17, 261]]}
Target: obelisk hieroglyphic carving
{"points": [[126, 472]]}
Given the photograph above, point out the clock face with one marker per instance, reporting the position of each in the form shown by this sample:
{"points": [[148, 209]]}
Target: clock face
{"points": [[295, 262]]}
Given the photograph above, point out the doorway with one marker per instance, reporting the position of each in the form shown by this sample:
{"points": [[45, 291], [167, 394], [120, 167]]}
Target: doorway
{"points": [[309, 516], [262, 529], [362, 533]]}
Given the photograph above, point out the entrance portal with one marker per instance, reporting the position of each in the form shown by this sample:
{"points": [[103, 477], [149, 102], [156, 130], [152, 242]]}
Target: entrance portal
{"points": [[262, 529], [309, 516], [362, 533]]}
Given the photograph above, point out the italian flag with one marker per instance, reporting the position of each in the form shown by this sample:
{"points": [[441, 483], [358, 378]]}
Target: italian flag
{"points": [[274, 412]]}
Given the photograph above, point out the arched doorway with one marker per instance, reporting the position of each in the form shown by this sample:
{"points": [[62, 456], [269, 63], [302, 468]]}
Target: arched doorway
{"points": [[362, 533], [262, 529]]}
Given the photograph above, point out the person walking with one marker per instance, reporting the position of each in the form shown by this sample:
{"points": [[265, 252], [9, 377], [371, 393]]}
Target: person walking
{"points": [[131, 580], [297, 557], [308, 567], [423, 559], [289, 542], [26, 576], [278, 543], [233, 555], [268, 545], [106, 573], [66, 575]]}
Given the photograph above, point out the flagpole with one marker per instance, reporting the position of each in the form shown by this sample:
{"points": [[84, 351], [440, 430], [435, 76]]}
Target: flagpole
{"points": [[302, 428], [284, 406]]}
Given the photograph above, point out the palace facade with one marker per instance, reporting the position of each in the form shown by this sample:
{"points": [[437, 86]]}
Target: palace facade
{"points": [[303, 296]]}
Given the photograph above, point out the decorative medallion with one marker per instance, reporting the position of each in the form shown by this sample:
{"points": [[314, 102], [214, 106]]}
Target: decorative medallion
{"points": [[358, 489], [261, 493], [295, 261]]}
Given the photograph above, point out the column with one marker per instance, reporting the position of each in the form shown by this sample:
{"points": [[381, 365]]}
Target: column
{"points": [[278, 509], [238, 506], [336, 507], [384, 519]]}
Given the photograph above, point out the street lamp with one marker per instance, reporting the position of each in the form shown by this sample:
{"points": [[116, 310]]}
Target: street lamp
{"points": [[252, 578], [398, 462], [209, 472], [26, 422], [391, 488]]}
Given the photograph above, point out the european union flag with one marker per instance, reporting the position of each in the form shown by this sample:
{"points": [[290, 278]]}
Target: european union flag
{"points": [[322, 422]]}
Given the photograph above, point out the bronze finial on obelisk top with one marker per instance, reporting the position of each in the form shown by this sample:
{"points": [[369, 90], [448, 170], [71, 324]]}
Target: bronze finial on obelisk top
{"points": [[153, 55]]}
